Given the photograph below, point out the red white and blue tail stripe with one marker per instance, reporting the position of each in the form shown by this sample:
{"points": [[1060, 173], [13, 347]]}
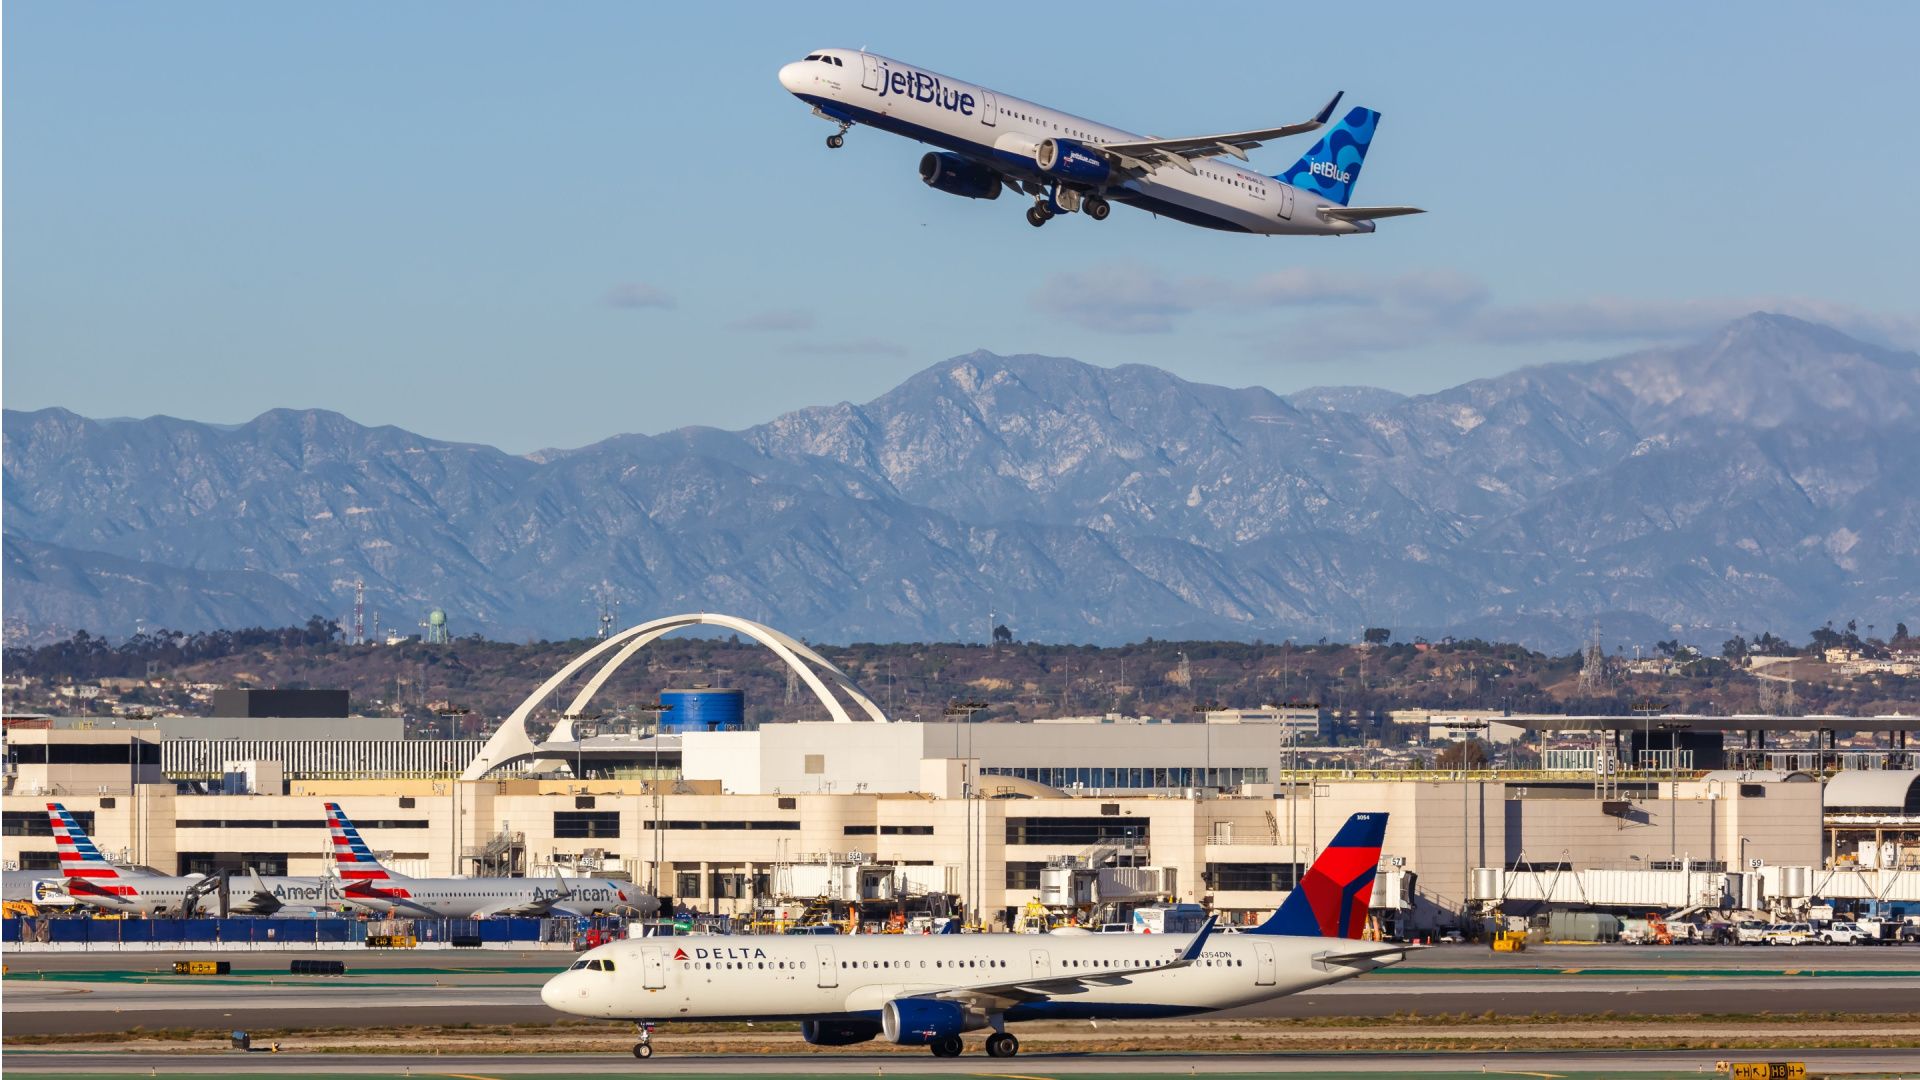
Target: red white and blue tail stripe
{"points": [[89, 875], [352, 859], [1331, 900]]}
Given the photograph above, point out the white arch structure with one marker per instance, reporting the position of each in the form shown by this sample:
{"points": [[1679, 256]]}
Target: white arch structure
{"points": [[512, 743]]}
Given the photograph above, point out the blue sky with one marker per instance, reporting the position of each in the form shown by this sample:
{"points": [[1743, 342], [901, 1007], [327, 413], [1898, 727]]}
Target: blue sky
{"points": [[540, 225]]}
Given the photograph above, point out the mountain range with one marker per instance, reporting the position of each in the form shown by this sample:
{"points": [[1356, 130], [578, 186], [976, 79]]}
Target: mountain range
{"points": [[1766, 478]]}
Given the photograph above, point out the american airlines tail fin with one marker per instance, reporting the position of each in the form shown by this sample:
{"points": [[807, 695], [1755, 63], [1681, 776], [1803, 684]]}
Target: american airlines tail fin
{"points": [[1332, 167], [1331, 900], [79, 858], [352, 859]]}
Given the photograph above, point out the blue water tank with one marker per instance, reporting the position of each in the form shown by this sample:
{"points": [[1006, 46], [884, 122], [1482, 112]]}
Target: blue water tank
{"points": [[703, 709]]}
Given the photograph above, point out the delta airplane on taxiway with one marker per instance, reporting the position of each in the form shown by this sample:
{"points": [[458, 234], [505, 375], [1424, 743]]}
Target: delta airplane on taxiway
{"points": [[989, 141], [930, 990]]}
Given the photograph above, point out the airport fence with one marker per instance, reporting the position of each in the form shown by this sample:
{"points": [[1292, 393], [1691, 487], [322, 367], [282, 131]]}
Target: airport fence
{"points": [[56, 933]]}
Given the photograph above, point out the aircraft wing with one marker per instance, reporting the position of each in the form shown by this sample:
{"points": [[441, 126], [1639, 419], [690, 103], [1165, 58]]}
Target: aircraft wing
{"points": [[1000, 995], [1145, 155], [1367, 213]]}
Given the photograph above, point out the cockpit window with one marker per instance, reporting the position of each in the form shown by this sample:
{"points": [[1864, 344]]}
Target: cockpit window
{"points": [[837, 62], [606, 965], [577, 965], [812, 56]]}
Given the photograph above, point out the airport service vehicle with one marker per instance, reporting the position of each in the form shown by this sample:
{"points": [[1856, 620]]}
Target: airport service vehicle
{"points": [[365, 883], [1792, 933], [929, 990], [1751, 932], [989, 141], [1848, 933], [92, 880]]}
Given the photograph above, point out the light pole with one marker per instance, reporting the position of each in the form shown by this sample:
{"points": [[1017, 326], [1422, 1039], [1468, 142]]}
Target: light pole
{"points": [[965, 710]]}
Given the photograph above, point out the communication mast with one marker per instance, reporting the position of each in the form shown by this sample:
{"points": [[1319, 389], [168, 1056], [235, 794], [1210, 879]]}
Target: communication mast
{"points": [[359, 611]]}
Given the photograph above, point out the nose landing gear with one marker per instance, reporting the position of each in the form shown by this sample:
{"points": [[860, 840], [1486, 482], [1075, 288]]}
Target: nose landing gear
{"points": [[644, 1048], [835, 142]]}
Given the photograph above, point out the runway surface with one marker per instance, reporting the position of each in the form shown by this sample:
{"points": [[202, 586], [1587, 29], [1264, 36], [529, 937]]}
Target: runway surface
{"points": [[1572, 1065], [76, 993]]}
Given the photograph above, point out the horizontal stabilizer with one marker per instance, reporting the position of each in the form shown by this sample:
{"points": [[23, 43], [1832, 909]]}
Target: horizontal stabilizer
{"points": [[1367, 213]]}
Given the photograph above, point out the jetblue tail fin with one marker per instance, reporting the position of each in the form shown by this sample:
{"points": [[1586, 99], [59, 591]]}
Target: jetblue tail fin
{"points": [[1332, 167], [1331, 900], [352, 859], [79, 858]]}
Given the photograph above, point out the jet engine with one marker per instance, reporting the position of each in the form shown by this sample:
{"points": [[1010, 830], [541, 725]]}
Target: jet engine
{"points": [[1073, 162], [838, 1032], [956, 175], [920, 1021]]}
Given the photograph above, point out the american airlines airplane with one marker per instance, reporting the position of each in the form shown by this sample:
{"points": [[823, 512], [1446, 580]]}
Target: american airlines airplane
{"points": [[930, 990], [367, 884], [91, 880], [990, 140]]}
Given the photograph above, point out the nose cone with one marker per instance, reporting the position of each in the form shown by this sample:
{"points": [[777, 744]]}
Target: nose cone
{"points": [[552, 991], [793, 77]]}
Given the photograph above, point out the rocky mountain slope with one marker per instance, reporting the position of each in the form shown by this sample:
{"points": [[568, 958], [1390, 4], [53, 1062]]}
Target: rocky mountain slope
{"points": [[1767, 478]]}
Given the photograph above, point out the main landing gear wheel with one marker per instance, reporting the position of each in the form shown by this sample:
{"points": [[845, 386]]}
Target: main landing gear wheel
{"points": [[1037, 217], [951, 1046], [1097, 208], [835, 142], [1001, 1044]]}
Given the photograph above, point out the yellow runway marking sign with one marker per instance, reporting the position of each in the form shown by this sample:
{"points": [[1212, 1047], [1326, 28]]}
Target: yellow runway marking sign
{"points": [[1766, 1070]]}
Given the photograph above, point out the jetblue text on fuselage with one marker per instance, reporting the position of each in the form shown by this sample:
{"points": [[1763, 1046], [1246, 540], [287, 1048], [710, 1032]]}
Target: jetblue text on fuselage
{"points": [[921, 86]]}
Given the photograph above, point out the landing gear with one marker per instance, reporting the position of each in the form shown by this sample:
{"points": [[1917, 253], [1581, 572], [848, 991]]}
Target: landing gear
{"points": [[644, 1048], [1037, 216], [835, 142], [951, 1046], [1002, 1044], [1096, 207]]}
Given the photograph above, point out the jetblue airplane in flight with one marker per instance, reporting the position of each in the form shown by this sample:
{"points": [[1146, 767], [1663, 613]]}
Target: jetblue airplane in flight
{"points": [[930, 990], [989, 140], [367, 884]]}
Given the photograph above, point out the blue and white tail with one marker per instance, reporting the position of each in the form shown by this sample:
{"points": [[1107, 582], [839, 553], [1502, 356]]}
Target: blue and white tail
{"points": [[1332, 167], [1332, 899], [352, 859]]}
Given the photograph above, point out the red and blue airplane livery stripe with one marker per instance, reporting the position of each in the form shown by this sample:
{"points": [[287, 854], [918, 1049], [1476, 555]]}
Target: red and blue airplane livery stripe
{"points": [[1331, 899]]}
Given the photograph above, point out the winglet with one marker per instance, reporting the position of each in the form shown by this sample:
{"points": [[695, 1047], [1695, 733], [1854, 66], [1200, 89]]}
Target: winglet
{"points": [[1192, 952], [1326, 114]]}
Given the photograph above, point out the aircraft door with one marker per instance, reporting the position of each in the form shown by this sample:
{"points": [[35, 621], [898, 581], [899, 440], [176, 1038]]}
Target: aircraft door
{"points": [[989, 108], [869, 72], [1264, 968], [653, 968], [1042, 964], [1286, 201], [829, 969]]}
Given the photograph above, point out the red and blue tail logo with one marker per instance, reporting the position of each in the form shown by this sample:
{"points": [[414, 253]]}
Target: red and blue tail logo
{"points": [[352, 858], [1331, 900], [78, 857]]}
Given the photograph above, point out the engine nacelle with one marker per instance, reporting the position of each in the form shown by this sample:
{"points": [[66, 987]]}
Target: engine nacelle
{"points": [[920, 1021], [956, 175], [1072, 161], [838, 1032]]}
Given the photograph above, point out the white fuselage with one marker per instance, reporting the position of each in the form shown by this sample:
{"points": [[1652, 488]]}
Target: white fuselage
{"points": [[464, 898], [144, 894], [1005, 132], [814, 977]]}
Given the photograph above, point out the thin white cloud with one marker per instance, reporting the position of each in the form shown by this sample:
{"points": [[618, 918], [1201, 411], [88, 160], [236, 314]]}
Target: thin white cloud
{"points": [[637, 294], [855, 347], [774, 321], [1390, 312]]}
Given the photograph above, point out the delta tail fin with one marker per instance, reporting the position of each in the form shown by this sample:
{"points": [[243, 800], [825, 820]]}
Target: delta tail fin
{"points": [[1332, 167], [1331, 900], [352, 859]]}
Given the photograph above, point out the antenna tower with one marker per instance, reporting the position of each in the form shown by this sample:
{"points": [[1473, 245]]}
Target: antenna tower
{"points": [[359, 611]]}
